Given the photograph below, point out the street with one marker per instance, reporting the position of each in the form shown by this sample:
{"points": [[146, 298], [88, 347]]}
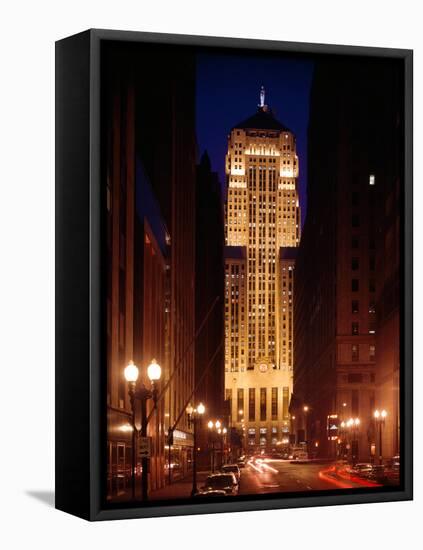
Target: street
{"points": [[275, 476]]}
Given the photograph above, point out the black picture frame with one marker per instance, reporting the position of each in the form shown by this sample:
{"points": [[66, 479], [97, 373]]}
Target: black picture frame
{"points": [[79, 310]]}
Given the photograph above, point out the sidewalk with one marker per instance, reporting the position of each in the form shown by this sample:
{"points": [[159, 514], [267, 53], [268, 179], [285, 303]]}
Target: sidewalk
{"points": [[179, 489]]}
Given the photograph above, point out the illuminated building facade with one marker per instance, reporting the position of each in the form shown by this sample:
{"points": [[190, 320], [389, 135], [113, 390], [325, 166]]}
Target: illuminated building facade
{"points": [[262, 223]]}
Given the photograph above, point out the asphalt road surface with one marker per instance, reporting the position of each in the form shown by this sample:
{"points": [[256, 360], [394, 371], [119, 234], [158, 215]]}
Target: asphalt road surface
{"points": [[275, 476]]}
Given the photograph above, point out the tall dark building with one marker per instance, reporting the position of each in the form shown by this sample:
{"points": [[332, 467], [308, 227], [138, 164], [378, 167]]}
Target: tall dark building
{"points": [[150, 180], [209, 310], [166, 144], [210, 277], [354, 160]]}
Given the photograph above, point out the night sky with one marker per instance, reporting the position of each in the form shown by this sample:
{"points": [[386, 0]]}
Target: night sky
{"points": [[228, 88]]}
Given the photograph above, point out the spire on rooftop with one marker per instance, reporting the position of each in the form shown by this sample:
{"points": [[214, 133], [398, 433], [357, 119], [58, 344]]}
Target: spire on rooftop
{"points": [[262, 97]]}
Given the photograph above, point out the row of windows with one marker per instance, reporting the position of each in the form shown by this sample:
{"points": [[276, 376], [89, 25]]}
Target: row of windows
{"points": [[355, 285], [263, 408], [355, 263], [355, 352]]}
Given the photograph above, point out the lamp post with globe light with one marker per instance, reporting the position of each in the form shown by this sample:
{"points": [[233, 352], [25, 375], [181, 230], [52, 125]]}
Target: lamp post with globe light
{"points": [[215, 428], [353, 425], [380, 417], [137, 390], [194, 415]]}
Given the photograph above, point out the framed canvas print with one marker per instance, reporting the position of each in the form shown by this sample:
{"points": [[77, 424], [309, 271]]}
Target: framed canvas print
{"points": [[233, 275]]}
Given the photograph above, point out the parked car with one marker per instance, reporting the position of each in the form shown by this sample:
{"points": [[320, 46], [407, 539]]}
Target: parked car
{"points": [[377, 473], [393, 463], [234, 468], [211, 493], [221, 482], [300, 455], [241, 463], [362, 469]]}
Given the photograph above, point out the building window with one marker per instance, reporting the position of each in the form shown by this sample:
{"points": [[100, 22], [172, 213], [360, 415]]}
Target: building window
{"points": [[372, 285], [354, 306], [354, 352], [263, 404], [354, 242], [274, 403], [372, 307], [355, 378], [354, 329], [372, 352], [240, 404], [228, 399], [354, 402], [354, 264], [354, 198], [354, 285], [285, 402], [372, 263], [372, 179], [251, 404], [355, 220]]}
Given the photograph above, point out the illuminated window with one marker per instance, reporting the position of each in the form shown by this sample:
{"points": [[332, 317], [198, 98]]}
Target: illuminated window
{"points": [[274, 403], [354, 329], [251, 404], [240, 403], [263, 404], [371, 179]]}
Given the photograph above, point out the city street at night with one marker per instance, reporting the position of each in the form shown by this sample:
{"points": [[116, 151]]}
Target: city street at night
{"points": [[252, 302], [277, 476]]}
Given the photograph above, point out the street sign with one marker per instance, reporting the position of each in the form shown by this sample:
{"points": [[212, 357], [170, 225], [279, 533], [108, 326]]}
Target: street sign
{"points": [[332, 427], [144, 447]]}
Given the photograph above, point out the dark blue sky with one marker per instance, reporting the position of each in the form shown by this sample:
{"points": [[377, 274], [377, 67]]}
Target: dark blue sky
{"points": [[228, 88]]}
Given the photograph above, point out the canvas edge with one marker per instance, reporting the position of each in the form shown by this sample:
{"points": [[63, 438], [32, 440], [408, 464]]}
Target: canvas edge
{"points": [[96, 512]]}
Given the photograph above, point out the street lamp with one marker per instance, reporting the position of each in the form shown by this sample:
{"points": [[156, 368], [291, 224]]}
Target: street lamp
{"points": [[210, 425], [194, 415], [380, 417], [216, 427], [306, 408], [353, 424], [139, 391]]}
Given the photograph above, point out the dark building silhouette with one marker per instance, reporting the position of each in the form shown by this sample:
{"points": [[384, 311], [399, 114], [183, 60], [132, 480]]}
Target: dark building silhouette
{"points": [[150, 176], [209, 285], [340, 331]]}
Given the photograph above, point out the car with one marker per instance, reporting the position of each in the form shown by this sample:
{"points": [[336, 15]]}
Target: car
{"points": [[377, 473], [211, 493], [393, 463], [300, 455], [362, 469], [241, 463], [234, 468], [221, 482]]}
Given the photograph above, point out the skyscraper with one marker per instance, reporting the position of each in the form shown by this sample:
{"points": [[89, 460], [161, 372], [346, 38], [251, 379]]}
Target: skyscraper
{"points": [[262, 220]]}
